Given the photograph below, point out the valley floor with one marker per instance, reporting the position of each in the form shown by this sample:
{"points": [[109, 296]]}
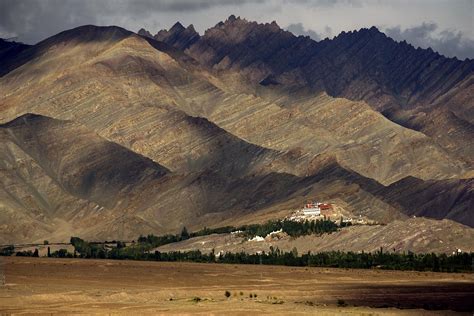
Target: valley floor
{"points": [[61, 286]]}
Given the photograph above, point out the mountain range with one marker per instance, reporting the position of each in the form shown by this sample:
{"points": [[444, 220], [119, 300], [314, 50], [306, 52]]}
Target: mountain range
{"points": [[106, 133]]}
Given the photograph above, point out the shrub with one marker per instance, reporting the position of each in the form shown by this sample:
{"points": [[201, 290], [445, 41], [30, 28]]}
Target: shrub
{"points": [[7, 251], [227, 294], [341, 302]]}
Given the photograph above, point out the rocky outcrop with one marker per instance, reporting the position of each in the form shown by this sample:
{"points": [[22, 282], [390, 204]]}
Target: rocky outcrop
{"points": [[178, 36]]}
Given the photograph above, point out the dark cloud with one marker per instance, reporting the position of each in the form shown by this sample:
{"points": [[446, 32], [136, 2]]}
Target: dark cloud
{"points": [[326, 3], [143, 6], [33, 20], [447, 42], [298, 29]]}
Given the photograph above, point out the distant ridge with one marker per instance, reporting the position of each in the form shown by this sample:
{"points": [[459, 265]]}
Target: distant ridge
{"points": [[417, 88]]}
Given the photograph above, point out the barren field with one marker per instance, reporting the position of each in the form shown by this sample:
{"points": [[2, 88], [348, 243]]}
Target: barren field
{"points": [[102, 286]]}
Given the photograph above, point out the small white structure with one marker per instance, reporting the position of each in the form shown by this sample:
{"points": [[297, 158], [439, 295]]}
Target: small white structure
{"points": [[257, 238], [276, 232]]}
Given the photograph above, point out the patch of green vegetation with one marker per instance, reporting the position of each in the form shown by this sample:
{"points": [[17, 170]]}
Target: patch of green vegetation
{"points": [[7, 251], [292, 228], [27, 253]]}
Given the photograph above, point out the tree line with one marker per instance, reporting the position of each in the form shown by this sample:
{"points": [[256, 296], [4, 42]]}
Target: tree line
{"points": [[143, 250], [459, 262], [292, 228], [97, 250]]}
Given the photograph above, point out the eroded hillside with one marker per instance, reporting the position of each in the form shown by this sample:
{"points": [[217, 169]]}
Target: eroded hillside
{"points": [[133, 136]]}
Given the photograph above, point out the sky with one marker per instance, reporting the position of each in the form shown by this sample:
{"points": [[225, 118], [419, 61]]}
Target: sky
{"points": [[444, 25]]}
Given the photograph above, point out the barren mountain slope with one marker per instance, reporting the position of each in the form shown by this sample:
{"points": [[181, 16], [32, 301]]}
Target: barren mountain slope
{"points": [[33, 207], [58, 173], [47, 169], [154, 141], [62, 179], [453, 199], [374, 67], [144, 89], [404, 83]]}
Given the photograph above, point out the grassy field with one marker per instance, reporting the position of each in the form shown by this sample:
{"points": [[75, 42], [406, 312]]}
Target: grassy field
{"points": [[49, 285]]}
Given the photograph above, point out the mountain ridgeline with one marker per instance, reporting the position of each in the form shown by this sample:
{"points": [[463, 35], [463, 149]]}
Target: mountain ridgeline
{"points": [[109, 134]]}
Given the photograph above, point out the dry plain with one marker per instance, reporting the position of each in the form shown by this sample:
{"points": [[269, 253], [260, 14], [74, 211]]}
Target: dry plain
{"points": [[59, 286]]}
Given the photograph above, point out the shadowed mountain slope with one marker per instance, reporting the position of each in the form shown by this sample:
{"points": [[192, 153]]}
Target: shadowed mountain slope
{"points": [[453, 199], [139, 137], [79, 161], [59, 178], [351, 65], [145, 95], [416, 88], [8, 51]]}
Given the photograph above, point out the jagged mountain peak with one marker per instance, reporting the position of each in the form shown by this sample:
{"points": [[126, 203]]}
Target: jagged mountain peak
{"points": [[145, 33], [177, 27], [372, 32], [233, 22], [178, 36], [232, 18], [191, 28]]}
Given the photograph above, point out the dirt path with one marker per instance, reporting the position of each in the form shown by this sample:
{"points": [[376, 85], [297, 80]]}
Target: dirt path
{"points": [[101, 286]]}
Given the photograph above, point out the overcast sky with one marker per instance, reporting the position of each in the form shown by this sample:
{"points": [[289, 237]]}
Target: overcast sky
{"points": [[446, 26]]}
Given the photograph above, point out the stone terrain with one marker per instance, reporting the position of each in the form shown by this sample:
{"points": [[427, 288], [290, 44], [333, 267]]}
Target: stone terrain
{"points": [[109, 134]]}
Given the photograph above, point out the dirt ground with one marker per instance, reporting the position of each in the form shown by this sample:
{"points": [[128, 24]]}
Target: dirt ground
{"points": [[47, 285]]}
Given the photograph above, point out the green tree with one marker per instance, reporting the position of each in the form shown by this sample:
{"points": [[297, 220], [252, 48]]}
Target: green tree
{"points": [[184, 234]]}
